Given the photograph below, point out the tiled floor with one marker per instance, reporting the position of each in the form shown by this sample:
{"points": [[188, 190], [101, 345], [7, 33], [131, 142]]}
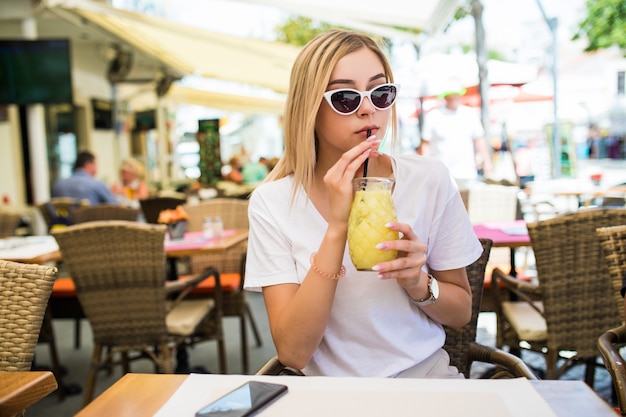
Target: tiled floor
{"points": [[76, 360]]}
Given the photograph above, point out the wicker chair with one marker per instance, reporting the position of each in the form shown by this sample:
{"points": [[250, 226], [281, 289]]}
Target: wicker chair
{"points": [[83, 214], [58, 210], [9, 223], [460, 344], [24, 292], [234, 214], [152, 206], [567, 309], [613, 242], [104, 212], [118, 268]]}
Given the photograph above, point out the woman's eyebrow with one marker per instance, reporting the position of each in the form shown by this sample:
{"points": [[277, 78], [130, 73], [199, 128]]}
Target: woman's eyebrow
{"points": [[340, 81]]}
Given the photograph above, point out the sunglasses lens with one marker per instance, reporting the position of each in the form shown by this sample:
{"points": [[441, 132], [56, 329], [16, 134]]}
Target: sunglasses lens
{"points": [[345, 101], [384, 96]]}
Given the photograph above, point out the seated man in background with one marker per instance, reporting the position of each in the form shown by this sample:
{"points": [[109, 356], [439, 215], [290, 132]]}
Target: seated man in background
{"points": [[82, 184]]}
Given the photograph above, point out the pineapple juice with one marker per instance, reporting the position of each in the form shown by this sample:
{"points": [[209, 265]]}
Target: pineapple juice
{"points": [[372, 208]]}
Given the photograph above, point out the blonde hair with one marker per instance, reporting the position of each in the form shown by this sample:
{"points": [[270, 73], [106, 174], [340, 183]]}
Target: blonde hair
{"points": [[309, 79], [134, 166]]}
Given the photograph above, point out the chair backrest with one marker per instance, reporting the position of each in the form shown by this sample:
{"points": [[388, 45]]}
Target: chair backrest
{"points": [[118, 268], [574, 279], [458, 340], [492, 203], [152, 206], [9, 223], [233, 211], [613, 243], [58, 210], [234, 214], [24, 293], [104, 212]]}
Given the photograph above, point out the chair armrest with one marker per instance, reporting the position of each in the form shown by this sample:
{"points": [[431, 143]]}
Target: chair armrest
{"points": [[509, 366], [274, 367], [608, 344], [524, 291], [182, 287]]}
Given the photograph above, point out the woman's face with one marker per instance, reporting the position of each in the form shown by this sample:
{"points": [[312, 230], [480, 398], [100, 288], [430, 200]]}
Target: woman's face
{"points": [[360, 70], [127, 175]]}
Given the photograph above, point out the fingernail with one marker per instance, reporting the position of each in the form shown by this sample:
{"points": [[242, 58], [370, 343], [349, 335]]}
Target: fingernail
{"points": [[381, 246], [388, 225], [376, 268]]}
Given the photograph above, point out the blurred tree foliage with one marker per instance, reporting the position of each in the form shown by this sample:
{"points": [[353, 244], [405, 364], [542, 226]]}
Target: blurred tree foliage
{"points": [[605, 25], [299, 30]]}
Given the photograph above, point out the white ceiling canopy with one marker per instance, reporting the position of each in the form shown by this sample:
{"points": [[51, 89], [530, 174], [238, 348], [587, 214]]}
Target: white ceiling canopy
{"points": [[430, 16], [185, 49]]}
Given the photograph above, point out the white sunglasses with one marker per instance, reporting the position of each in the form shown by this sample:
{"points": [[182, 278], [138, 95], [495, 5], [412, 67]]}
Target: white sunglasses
{"points": [[346, 101]]}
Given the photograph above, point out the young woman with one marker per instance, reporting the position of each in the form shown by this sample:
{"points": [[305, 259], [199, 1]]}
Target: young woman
{"points": [[326, 318]]}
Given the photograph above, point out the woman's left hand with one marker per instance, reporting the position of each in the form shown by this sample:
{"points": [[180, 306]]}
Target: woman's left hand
{"points": [[407, 267]]}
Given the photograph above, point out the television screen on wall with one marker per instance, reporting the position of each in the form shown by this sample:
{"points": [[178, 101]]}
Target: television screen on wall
{"points": [[35, 71]]}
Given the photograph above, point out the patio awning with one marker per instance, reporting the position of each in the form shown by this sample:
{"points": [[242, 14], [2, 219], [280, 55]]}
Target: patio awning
{"points": [[430, 16], [224, 101], [185, 49]]}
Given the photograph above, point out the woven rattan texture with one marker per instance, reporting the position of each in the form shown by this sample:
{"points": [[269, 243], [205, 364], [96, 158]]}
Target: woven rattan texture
{"points": [[118, 269], [24, 293], [103, 212], [9, 223], [613, 242], [574, 279], [458, 341], [234, 214]]}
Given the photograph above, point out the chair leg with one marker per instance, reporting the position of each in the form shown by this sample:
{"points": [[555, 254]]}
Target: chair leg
{"points": [[244, 344], [96, 358], [590, 371], [48, 335], [255, 329], [551, 364], [221, 351], [77, 333]]}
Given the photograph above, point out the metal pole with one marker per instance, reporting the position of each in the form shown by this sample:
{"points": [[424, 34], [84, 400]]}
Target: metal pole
{"points": [[556, 140]]}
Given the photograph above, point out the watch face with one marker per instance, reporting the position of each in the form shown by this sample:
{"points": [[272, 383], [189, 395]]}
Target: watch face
{"points": [[434, 288]]}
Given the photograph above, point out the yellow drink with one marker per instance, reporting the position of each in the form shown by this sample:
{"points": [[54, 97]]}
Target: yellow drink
{"points": [[372, 208]]}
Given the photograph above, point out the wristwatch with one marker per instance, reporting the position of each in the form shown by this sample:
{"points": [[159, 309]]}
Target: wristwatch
{"points": [[433, 290]]}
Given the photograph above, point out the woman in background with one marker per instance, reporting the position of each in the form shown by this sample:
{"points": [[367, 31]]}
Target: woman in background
{"points": [[132, 187]]}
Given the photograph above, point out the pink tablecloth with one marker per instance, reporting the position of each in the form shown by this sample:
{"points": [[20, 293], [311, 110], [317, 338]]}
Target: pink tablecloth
{"points": [[194, 240], [513, 232]]}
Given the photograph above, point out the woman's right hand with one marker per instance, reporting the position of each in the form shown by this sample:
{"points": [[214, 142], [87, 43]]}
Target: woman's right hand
{"points": [[338, 179]]}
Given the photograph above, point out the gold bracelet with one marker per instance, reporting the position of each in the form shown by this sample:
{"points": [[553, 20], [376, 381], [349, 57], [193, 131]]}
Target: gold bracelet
{"points": [[323, 274]]}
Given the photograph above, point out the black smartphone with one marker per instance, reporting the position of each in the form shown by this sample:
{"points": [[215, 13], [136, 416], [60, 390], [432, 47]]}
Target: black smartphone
{"points": [[243, 401]]}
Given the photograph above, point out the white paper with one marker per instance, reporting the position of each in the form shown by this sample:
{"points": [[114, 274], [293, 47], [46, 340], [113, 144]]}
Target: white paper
{"points": [[375, 397], [27, 247]]}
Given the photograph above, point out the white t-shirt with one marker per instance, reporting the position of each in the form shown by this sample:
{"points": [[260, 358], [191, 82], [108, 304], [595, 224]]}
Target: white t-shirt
{"points": [[373, 329], [451, 136]]}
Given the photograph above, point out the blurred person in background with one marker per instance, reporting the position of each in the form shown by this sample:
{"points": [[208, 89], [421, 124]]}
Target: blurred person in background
{"points": [[132, 186], [254, 172], [82, 184], [454, 134]]}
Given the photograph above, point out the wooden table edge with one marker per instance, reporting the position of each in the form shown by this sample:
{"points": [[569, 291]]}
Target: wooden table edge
{"points": [[156, 390], [24, 389]]}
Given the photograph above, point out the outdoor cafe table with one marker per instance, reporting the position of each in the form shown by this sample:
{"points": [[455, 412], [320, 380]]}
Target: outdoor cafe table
{"points": [[139, 395], [30, 249], [511, 234], [195, 244]]}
